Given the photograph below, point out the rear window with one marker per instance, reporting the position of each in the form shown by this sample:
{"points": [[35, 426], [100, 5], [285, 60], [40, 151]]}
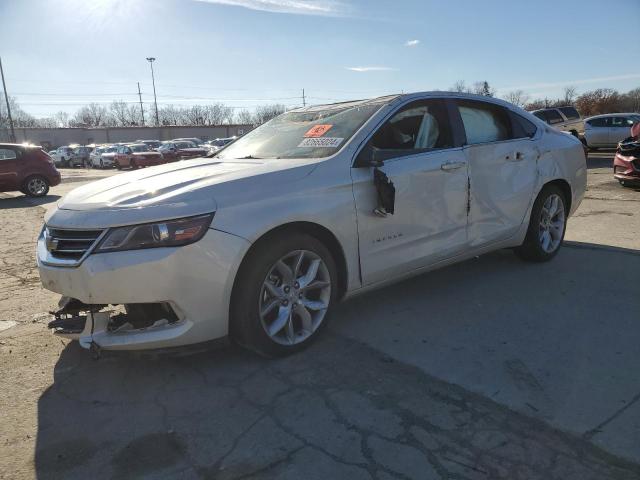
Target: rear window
{"points": [[570, 112], [552, 117]]}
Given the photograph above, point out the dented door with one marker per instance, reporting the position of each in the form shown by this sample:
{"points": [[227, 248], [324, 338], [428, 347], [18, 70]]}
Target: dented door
{"points": [[502, 178], [430, 216]]}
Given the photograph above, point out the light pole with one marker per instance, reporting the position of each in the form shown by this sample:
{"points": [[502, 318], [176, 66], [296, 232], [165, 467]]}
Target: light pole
{"points": [[12, 138], [153, 81]]}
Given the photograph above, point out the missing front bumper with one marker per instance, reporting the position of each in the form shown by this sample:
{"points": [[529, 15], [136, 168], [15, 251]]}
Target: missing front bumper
{"points": [[118, 326]]}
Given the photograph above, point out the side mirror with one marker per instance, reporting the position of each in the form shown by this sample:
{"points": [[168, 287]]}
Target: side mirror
{"points": [[369, 156]]}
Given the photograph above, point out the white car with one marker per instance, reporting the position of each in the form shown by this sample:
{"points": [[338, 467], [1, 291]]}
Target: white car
{"points": [[601, 131], [317, 205], [62, 156], [566, 119], [103, 157]]}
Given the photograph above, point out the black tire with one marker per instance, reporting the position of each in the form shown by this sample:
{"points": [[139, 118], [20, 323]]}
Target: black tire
{"points": [[35, 186], [531, 249], [101, 164], [118, 166], [246, 327]]}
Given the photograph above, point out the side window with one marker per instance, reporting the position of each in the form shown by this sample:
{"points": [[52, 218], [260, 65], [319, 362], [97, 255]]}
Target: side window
{"points": [[621, 122], [418, 127], [522, 128], [540, 115], [599, 122], [7, 154], [553, 117], [570, 112], [484, 122]]}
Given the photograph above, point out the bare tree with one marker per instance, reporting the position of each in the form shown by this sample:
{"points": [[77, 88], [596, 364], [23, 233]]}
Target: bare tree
{"points": [[460, 86], [483, 88], [264, 113], [62, 119], [244, 117], [602, 100], [517, 97], [570, 94], [92, 115]]}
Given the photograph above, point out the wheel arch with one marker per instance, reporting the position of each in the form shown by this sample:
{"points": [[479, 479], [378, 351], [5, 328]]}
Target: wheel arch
{"points": [[564, 186], [317, 231]]}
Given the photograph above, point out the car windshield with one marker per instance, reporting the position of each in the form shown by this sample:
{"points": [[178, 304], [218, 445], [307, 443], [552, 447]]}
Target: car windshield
{"points": [[139, 148], [314, 133]]}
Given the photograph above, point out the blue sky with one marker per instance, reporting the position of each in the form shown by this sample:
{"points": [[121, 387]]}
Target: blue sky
{"points": [[59, 54]]}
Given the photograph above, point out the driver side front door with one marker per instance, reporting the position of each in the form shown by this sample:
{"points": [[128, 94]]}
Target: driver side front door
{"points": [[429, 172]]}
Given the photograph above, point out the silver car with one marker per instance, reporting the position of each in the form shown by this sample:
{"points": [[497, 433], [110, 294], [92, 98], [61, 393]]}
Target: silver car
{"points": [[261, 241], [601, 131]]}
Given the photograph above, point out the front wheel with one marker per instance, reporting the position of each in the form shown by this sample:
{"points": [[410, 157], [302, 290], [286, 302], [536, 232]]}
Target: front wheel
{"points": [[36, 186], [547, 225], [283, 294]]}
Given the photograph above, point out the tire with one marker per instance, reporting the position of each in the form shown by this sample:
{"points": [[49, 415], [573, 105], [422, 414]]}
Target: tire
{"points": [[133, 165], [63, 162], [36, 186], [265, 299], [101, 165], [541, 244], [118, 166]]}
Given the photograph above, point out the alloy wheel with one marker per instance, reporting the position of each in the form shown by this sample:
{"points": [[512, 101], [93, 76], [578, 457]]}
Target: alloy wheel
{"points": [[36, 186], [294, 297], [551, 228]]}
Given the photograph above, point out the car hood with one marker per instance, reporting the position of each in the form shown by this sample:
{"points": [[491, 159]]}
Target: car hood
{"points": [[163, 192]]}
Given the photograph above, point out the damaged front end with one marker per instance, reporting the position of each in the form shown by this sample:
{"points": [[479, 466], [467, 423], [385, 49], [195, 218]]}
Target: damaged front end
{"points": [[96, 326]]}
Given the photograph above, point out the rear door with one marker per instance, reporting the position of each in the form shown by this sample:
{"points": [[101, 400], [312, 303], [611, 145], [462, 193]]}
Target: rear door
{"points": [[619, 129], [502, 155]]}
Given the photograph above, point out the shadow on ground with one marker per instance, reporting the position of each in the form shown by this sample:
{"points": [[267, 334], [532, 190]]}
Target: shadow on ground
{"points": [[338, 410], [7, 202]]}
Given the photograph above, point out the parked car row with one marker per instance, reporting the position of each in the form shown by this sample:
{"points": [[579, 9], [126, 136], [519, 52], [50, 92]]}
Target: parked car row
{"points": [[135, 154], [598, 131]]}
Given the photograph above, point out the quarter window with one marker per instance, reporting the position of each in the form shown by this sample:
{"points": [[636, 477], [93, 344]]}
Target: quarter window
{"points": [[621, 122], [484, 122], [418, 127], [7, 154], [522, 128]]}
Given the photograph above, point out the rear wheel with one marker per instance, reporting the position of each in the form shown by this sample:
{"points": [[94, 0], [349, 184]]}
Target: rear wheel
{"points": [[283, 295], [36, 186], [546, 226]]}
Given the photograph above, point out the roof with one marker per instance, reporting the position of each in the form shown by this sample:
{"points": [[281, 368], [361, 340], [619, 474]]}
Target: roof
{"points": [[606, 115], [388, 99]]}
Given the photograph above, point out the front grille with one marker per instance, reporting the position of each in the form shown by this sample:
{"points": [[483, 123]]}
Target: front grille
{"points": [[70, 244]]}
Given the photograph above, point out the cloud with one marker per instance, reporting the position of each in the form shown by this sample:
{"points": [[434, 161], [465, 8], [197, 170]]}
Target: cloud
{"points": [[369, 69], [327, 8], [411, 43]]}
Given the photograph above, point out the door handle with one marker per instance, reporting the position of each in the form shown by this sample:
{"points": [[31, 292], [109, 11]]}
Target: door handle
{"points": [[448, 166], [516, 157]]}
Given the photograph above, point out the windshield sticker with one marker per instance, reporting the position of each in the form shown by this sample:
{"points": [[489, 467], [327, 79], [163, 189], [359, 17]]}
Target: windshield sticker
{"points": [[317, 131], [324, 142]]}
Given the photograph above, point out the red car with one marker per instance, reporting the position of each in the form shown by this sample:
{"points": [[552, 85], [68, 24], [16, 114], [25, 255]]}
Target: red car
{"points": [[137, 155], [626, 163], [27, 169], [173, 151]]}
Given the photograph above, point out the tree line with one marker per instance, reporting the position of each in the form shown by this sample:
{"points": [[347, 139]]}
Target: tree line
{"points": [[125, 114], [593, 102]]}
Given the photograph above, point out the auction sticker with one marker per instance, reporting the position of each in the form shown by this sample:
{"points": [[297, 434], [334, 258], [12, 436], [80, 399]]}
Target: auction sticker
{"points": [[317, 131], [326, 142]]}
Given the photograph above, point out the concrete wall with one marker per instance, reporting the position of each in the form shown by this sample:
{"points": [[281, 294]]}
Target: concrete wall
{"points": [[56, 137]]}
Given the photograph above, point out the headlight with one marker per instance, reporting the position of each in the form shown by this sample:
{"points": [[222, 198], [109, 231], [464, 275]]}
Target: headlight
{"points": [[172, 233]]}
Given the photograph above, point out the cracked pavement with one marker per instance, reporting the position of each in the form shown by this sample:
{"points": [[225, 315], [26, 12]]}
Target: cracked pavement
{"points": [[403, 385]]}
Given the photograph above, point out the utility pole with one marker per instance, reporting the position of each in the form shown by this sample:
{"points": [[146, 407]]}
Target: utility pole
{"points": [[12, 137], [153, 80], [141, 109], [304, 100]]}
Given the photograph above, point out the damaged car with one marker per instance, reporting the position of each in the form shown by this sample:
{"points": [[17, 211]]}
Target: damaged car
{"points": [[260, 242]]}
